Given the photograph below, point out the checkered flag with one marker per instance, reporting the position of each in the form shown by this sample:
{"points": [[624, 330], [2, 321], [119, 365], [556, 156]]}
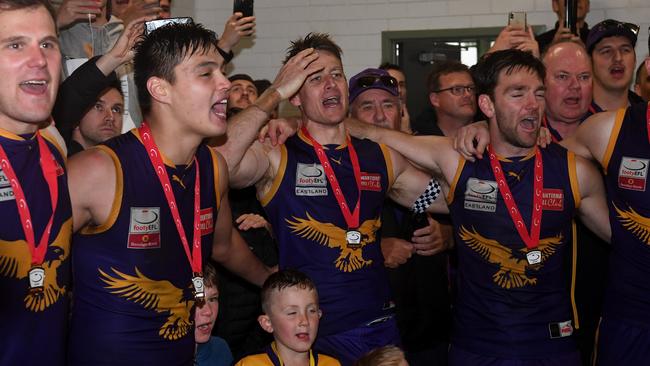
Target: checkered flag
{"points": [[426, 199]]}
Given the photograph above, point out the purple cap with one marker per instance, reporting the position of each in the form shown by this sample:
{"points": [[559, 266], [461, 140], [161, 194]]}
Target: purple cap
{"points": [[372, 79], [611, 28]]}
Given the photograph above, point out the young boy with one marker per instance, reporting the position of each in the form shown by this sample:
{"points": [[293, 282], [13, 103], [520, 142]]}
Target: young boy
{"points": [[291, 314], [213, 351]]}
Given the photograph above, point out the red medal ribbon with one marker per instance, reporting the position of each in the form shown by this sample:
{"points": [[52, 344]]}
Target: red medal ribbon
{"points": [[532, 239], [351, 217], [545, 124], [48, 167], [156, 160]]}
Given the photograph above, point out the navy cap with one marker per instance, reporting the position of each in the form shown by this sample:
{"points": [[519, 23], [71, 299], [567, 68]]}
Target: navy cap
{"points": [[372, 79], [611, 28]]}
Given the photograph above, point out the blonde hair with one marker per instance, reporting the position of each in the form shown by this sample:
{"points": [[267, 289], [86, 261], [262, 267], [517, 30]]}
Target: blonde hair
{"points": [[382, 356]]}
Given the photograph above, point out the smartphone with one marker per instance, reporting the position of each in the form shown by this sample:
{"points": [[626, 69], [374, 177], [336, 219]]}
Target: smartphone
{"points": [[152, 25], [517, 19], [571, 15], [243, 6]]}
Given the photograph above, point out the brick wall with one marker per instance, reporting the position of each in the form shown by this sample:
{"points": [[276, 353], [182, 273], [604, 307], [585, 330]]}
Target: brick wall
{"points": [[356, 25]]}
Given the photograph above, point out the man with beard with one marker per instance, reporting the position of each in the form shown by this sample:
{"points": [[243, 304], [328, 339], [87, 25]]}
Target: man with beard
{"points": [[513, 302]]}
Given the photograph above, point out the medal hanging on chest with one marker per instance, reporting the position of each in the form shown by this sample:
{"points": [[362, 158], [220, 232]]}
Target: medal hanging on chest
{"points": [[194, 256], [533, 256], [352, 235], [36, 275]]}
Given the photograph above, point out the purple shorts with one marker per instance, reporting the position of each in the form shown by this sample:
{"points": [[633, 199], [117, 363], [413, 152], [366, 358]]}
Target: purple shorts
{"points": [[460, 357], [350, 345], [620, 343]]}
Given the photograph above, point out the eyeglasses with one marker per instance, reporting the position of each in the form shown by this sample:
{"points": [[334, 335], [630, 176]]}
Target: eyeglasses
{"points": [[370, 80], [611, 23], [459, 90]]}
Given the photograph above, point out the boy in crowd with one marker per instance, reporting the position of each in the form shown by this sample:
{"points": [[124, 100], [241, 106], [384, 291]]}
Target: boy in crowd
{"points": [[213, 351], [291, 314]]}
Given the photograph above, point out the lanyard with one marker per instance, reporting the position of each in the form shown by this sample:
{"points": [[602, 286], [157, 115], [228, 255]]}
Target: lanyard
{"points": [[532, 239], [351, 217], [48, 167], [154, 156], [548, 127]]}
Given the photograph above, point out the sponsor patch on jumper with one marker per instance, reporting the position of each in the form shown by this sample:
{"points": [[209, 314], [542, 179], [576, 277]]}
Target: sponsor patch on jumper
{"points": [[371, 181], [552, 199], [310, 180], [633, 173], [144, 228], [6, 192], [481, 195], [561, 329], [206, 221]]}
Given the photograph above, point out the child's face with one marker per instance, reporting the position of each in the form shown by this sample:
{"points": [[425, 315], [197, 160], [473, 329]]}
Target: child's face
{"points": [[293, 318], [206, 315]]}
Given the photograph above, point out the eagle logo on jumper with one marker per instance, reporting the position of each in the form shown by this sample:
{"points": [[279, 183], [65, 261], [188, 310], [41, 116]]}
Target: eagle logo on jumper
{"points": [[636, 223], [351, 257], [513, 267], [161, 296], [15, 263]]}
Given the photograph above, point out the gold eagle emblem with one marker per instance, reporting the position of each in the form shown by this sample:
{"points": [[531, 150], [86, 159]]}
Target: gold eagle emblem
{"points": [[161, 296], [513, 267], [350, 258], [635, 222], [15, 262]]}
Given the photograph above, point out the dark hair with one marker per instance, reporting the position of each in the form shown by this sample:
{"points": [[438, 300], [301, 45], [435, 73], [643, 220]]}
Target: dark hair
{"points": [[210, 277], [281, 280], [443, 68], [487, 71], [389, 66], [261, 85], [114, 83], [24, 4], [317, 41], [241, 77], [159, 52]]}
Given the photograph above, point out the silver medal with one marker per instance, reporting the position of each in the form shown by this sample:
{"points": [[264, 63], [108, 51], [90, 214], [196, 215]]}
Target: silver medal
{"points": [[199, 290], [353, 237], [36, 279], [534, 257]]}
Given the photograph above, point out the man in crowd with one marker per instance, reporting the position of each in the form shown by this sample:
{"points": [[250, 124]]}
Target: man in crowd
{"points": [[513, 301], [150, 206], [397, 72], [414, 254], [611, 46], [560, 31], [243, 91], [452, 93], [326, 223], [34, 200]]}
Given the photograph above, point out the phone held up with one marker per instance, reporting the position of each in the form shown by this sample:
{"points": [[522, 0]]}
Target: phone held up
{"points": [[571, 15], [152, 25], [243, 6], [517, 19]]}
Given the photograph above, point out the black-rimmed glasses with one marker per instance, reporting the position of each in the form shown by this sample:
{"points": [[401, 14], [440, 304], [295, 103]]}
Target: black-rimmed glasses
{"points": [[459, 90]]}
